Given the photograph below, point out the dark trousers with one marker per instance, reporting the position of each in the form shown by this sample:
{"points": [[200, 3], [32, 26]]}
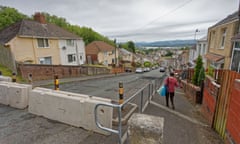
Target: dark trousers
{"points": [[171, 95]]}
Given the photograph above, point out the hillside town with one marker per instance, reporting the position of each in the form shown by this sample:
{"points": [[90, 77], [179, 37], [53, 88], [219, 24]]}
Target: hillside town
{"points": [[36, 50]]}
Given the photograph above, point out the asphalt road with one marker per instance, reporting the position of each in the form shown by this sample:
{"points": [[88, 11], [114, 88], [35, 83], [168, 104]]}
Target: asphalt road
{"points": [[20, 127]]}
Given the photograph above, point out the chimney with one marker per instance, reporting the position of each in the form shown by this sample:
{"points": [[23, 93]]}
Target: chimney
{"points": [[39, 18]]}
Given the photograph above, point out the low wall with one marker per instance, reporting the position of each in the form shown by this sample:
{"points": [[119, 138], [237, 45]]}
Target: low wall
{"points": [[44, 72], [192, 92], [233, 119]]}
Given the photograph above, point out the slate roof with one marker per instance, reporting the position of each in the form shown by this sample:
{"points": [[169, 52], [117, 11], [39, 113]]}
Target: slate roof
{"points": [[229, 18], [98, 46], [124, 51], [30, 28]]}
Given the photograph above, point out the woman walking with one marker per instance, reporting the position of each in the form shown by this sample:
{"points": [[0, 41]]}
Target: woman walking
{"points": [[171, 83]]}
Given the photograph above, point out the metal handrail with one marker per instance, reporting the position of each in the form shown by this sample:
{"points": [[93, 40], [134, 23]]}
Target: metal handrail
{"points": [[119, 107]]}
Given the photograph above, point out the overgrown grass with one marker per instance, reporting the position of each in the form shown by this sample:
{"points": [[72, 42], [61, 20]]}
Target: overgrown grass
{"points": [[7, 72]]}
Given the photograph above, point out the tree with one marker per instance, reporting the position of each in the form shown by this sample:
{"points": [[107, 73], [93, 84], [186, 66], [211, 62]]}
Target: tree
{"points": [[10, 16], [199, 72], [131, 46], [147, 64]]}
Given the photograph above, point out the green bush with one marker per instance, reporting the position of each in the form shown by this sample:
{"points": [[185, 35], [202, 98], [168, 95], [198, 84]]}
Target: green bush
{"points": [[199, 72]]}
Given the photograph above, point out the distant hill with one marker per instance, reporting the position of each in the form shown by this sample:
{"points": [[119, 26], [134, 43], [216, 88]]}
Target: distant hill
{"points": [[171, 43]]}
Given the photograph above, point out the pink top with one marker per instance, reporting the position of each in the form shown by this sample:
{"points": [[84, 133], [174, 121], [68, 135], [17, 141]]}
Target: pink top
{"points": [[171, 82]]}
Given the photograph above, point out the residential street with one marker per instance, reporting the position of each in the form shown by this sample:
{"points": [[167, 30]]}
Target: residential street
{"points": [[181, 125]]}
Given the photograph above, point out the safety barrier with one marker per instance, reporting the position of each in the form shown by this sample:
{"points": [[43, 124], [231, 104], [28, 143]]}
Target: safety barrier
{"points": [[144, 101], [14, 94], [70, 108], [5, 78]]}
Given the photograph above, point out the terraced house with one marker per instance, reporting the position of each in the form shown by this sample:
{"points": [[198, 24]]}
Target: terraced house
{"points": [[220, 42], [38, 42]]}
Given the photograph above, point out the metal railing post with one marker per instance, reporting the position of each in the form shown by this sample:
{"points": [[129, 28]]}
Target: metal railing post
{"points": [[56, 82], [14, 77], [141, 102]]}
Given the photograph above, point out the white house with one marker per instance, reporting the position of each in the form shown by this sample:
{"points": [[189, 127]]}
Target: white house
{"points": [[72, 51]]}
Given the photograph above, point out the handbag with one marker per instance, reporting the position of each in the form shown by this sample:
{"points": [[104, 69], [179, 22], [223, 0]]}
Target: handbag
{"points": [[162, 91]]}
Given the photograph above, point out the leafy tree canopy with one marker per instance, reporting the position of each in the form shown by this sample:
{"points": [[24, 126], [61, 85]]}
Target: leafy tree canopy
{"points": [[147, 64], [130, 46], [86, 33], [10, 16]]}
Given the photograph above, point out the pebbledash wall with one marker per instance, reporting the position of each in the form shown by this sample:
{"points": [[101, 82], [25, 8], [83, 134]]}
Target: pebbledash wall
{"points": [[44, 72]]}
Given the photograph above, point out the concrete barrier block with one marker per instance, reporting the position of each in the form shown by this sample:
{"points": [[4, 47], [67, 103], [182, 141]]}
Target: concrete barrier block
{"points": [[4, 99], [18, 96], [5, 78], [57, 106], [145, 129], [71, 108], [105, 115]]}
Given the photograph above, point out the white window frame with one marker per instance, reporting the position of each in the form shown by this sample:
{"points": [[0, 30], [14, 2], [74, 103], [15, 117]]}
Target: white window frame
{"points": [[70, 42], [42, 60], [223, 38], [72, 59], [45, 43]]}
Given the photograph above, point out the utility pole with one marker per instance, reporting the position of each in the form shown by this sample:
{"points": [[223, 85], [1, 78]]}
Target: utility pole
{"points": [[115, 59]]}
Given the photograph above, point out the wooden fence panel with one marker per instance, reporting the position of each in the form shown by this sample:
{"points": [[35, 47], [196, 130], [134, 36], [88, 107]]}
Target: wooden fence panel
{"points": [[226, 79]]}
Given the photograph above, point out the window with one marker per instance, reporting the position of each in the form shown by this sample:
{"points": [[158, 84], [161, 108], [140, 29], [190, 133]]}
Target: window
{"points": [[70, 42], [45, 60], [105, 53], [237, 45], [71, 58], [42, 43], [223, 38], [212, 39], [204, 48]]}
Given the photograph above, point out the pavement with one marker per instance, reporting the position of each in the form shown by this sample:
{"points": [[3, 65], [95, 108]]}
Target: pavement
{"points": [[184, 125]]}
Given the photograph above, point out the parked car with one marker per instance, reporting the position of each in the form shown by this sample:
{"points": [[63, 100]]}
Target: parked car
{"points": [[128, 69], [162, 69], [139, 70]]}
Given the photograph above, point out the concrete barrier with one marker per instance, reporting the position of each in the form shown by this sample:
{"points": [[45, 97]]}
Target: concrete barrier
{"points": [[56, 106], [105, 115], [4, 99], [70, 108], [145, 129], [14, 94], [5, 78]]}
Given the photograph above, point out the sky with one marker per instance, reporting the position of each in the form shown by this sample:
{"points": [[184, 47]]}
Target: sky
{"points": [[135, 20]]}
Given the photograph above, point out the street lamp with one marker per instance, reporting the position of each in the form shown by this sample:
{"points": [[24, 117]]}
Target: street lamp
{"points": [[115, 60], [196, 33]]}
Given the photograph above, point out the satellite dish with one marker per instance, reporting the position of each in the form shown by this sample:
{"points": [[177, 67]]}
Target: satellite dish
{"points": [[64, 48]]}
